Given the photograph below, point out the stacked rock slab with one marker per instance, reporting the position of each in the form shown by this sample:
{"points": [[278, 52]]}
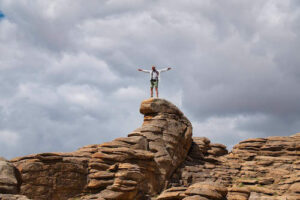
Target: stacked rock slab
{"points": [[269, 168], [13, 197], [159, 161], [204, 163], [197, 191], [52, 175], [133, 167], [260, 168], [138, 166], [9, 178]]}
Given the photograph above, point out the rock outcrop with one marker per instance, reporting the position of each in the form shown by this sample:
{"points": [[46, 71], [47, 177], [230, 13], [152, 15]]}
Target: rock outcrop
{"points": [[260, 168], [197, 191], [9, 178], [13, 197], [53, 175], [159, 161], [133, 167], [269, 168]]}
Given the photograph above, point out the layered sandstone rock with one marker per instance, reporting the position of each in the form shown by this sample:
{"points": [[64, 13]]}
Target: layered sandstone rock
{"points": [[52, 175], [133, 167], [269, 167], [159, 161], [13, 197], [9, 178], [138, 166], [197, 191], [260, 168], [204, 163]]}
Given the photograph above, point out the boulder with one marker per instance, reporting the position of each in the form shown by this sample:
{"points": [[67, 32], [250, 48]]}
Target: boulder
{"points": [[9, 178], [173, 194], [13, 197], [197, 191], [52, 175]]}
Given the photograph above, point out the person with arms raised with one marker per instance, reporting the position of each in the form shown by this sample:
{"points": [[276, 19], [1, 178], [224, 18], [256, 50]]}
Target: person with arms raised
{"points": [[154, 78]]}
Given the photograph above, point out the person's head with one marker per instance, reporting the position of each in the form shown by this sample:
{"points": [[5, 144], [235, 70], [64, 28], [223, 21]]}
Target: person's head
{"points": [[153, 68]]}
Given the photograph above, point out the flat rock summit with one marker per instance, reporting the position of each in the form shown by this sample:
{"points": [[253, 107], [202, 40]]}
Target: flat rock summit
{"points": [[159, 161]]}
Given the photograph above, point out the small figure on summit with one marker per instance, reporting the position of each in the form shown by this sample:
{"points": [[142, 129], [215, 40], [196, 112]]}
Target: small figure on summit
{"points": [[154, 77]]}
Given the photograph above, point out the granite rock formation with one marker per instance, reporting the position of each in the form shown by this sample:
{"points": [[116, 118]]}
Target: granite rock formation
{"points": [[159, 161]]}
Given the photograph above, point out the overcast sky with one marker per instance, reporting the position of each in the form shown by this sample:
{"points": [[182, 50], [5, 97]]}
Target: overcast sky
{"points": [[68, 69]]}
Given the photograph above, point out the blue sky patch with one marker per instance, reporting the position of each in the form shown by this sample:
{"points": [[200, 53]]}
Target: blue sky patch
{"points": [[1, 14]]}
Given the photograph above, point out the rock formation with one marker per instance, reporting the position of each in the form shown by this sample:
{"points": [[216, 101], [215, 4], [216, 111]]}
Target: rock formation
{"points": [[138, 166], [159, 161], [133, 167], [261, 168], [9, 178]]}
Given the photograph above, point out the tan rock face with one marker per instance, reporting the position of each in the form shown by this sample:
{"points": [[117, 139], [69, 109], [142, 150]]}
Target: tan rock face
{"points": [[13, 197], [202, 191], [160, 161], [139, 165], [133, 167], [9, 178], [260, 168], [52, 175], [204, 163]]}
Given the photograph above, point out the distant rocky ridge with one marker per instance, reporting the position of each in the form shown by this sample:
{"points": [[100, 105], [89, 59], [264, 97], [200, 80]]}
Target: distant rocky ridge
{"points": [[159, 161]]}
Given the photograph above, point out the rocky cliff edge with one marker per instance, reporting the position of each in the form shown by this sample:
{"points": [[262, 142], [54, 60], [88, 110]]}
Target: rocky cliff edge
{"points": [[133, 167], [159, 161]]}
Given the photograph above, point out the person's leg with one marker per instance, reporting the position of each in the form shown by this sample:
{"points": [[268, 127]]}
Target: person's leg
{"points": [[151, 88], [151, 91], [156, 87]]}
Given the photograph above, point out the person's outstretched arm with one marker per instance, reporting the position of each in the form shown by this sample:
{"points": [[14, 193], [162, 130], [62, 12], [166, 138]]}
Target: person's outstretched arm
{"points": [[165, 69], [143, 70]]}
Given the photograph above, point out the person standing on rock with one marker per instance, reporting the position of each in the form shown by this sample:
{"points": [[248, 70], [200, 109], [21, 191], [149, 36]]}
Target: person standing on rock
{"points": [[154, 78]]}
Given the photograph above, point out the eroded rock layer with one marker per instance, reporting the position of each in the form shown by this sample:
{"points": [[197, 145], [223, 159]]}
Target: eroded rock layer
{"points": [[133, 167], [138, 166], [9, 178], [159, 161], [261, 168]]}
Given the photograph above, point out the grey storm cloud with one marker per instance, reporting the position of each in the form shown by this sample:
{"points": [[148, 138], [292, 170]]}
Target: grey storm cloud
{"points": [[68, 69]]}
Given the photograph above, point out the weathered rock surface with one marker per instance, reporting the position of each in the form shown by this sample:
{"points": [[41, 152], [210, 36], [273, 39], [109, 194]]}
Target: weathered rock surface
{"points": [[201, 191], [139, 165], [133, 167], [53, 175], [13, 197], [9, 178], [159, 161], [260, 168]]}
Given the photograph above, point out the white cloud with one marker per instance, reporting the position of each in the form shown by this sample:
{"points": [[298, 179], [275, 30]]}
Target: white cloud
{"points": [[129, 93], [82, 67], [227, 129], [37, 94], [69, 67], [82, 95], [9, 139], [274, 13]]}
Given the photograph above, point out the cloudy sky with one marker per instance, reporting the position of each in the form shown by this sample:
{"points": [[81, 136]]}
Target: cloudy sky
{"points": [[68, 69]]}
